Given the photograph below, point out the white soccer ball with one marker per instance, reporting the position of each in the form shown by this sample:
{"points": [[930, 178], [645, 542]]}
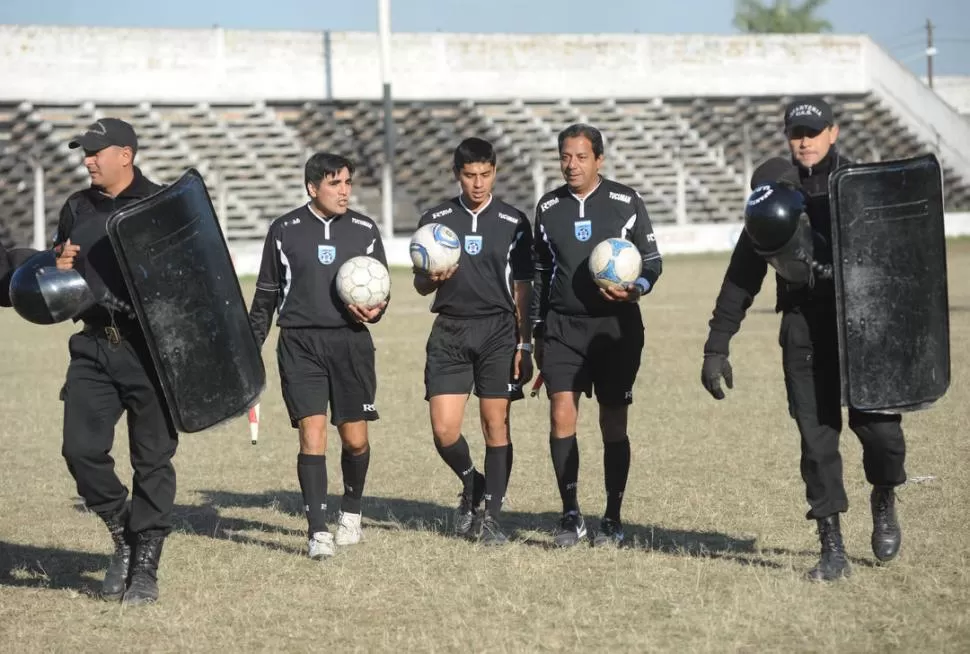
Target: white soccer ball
{"points": [[363, 281], [615, 262], [435, 248]]}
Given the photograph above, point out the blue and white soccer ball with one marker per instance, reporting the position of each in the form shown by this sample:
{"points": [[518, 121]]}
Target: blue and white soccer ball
{"points": [[363, 281], [615, 262], [435, 248]]}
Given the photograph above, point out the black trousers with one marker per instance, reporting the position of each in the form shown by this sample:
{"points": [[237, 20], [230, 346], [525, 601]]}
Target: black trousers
{"points": [[809, 341], [104, 380]]}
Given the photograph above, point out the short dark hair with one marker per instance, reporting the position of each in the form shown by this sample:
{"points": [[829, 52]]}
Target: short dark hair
{"points": [[473, 150], [594, 136], [324, 164]]}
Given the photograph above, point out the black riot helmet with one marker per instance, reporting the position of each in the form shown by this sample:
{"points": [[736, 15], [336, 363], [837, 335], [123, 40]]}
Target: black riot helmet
{"points": [[772, 214], [44, 295]]}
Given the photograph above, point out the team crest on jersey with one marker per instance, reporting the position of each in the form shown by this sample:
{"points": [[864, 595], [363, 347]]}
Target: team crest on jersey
{"points": [[583, 229], [326, 254], [473, 244]]}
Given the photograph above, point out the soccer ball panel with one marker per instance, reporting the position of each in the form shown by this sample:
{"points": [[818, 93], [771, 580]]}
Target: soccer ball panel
{"points": [[363, 281], [615, 262], [435, 248]]}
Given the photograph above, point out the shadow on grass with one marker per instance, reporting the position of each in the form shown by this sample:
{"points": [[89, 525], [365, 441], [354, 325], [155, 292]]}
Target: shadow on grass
{"points": [[29, 566], [533, 529]]}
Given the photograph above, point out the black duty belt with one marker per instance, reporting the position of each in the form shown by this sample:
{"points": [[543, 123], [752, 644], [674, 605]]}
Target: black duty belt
{"points": [[113, 333]]}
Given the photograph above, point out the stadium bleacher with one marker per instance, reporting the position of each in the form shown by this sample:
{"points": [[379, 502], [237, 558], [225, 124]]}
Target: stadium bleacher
{"points": [[688, 156]]}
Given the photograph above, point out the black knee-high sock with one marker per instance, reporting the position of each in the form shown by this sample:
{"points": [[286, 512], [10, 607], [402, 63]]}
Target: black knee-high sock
{"points": [[311, 469], [616, 469], [565, 461], [508, 466], [459, 459], [354, 468], [496, 478]]}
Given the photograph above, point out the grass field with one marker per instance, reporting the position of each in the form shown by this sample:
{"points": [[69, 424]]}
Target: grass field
{"points": [[714, 514]]}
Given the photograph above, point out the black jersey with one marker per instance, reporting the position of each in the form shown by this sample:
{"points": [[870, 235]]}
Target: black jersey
{"points": [[567, 229], [496, 253], [301, 257]]}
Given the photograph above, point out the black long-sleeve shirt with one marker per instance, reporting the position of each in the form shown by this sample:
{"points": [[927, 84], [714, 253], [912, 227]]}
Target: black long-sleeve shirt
{"points": [[496, 252], [747, 269], [301, 256], [567, 228]]}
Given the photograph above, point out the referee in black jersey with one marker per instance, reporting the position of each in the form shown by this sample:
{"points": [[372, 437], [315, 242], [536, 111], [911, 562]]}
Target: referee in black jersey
{"points": [[481, 339], [587, 338], [325, 352]]}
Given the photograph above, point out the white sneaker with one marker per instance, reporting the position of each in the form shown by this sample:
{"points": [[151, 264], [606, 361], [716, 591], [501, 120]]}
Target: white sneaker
{"points": [[321, 546], [349, 531]]}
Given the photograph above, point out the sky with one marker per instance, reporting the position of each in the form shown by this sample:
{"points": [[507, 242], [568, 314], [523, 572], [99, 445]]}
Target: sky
{"points": [[897, 25]]}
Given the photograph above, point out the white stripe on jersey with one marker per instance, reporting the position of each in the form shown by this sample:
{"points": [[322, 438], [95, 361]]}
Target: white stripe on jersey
{"points": [[552, 252], [370, 248], [628, 226], [582, 200], [508, 266], [474, 214], [326, 222], [288, 276]]}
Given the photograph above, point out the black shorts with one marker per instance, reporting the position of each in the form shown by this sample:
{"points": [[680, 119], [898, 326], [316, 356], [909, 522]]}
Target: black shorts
{"points": [[328, 366], [466, 354], [584, 353]]}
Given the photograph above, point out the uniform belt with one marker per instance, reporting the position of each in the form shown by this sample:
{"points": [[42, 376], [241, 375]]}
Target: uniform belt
{"points": [[113, 333]]}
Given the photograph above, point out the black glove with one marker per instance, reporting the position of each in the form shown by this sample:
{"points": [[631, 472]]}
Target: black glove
{"points": [[716, 366]]}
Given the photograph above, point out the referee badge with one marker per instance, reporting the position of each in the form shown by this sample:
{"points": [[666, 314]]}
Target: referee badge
{"points": [[326, 254], [473, 244], [583, 229]]}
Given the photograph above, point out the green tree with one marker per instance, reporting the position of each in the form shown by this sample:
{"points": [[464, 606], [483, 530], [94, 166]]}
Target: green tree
{"points": [[753, 17]]}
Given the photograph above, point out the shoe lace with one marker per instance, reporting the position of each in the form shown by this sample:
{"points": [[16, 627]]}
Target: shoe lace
{"points": [[884, 499]]}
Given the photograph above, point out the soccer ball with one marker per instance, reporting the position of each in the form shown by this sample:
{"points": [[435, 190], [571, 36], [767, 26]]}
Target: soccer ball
{"points": [[363, 281], [435, 248], [615, 262]]}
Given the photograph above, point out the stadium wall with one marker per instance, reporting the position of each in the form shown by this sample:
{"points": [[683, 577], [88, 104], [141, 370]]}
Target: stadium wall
{"points": [[76, 64], [104, 65], [955, 90]]}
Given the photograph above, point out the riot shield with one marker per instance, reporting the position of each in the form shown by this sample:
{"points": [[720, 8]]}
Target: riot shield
{"points": [[187, 298], [889, 254]]}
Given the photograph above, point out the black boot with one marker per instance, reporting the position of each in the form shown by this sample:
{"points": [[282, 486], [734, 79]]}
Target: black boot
{"points": [[143, 587], [113, 586], [833, 563], [886, 534]]}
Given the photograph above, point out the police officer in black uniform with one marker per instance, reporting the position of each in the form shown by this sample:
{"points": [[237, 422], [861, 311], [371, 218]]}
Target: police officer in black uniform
{"points": [[325, 352], [588, 338], [481, 338], [111, 372], [809, 341]]}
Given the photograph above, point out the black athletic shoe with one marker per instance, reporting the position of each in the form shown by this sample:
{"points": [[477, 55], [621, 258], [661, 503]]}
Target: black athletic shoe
{"points": [[572, 529]]}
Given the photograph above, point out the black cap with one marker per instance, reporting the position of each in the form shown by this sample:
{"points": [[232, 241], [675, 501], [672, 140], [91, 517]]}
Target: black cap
{"points": [[813, 113], [104, 133]]}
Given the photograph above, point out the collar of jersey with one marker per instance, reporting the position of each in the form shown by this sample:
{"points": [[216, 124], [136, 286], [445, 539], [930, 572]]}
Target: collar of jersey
{"points": [[475, 214], [591, 191], [309, 205]]}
